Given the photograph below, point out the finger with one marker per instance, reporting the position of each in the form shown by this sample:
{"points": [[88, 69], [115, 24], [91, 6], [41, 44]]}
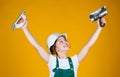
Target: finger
{"points": [[103, 20]]}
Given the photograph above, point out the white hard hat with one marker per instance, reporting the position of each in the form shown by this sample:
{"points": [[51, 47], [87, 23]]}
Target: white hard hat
{"points": [[53, 37]]}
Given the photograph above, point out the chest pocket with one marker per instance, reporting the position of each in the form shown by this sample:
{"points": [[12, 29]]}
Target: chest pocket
{"points": [[64, 72]]}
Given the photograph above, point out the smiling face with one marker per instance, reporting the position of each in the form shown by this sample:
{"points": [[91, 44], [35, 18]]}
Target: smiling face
{"points": [[62, 44]]}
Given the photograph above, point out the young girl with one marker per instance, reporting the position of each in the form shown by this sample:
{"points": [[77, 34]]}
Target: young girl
{"points": [[60, 65]]}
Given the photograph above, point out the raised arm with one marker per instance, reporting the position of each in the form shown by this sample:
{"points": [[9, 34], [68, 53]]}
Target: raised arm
{"points": [[92, 40], [34, 43]]}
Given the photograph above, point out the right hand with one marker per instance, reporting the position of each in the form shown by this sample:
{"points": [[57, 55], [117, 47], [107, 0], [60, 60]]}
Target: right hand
{"points": [[25, 24]]}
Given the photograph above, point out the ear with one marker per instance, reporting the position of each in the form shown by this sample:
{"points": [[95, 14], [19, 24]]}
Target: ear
{"points": [[56, 49]]}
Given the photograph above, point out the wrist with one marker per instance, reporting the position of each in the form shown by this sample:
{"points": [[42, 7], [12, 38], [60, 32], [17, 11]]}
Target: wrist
{"points": [[24, 28], [99, 27]]}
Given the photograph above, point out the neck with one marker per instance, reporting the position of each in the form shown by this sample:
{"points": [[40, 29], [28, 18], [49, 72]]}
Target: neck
{"points": [[62, 55]]}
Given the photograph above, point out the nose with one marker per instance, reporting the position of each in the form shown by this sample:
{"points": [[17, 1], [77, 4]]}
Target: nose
{"points": [[66, 43]]}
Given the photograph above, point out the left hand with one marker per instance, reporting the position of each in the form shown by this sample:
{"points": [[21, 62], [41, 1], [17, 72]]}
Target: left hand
{"points": [[101, 22]]}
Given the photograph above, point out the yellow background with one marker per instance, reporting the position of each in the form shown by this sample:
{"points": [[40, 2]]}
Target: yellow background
{"points": [[19, 59]]}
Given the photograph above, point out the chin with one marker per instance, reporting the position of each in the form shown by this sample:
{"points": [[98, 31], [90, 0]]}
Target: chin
{"points": [[67, 49]]}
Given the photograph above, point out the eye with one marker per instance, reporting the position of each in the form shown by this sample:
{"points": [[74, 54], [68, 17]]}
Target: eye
{"points": [[61, 41]]}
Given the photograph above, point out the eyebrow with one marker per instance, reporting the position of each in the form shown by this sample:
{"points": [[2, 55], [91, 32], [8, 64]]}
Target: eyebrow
{"points": [[61, 39]]}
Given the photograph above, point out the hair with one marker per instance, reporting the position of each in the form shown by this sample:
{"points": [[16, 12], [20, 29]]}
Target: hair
{"points": [[53, 50]]}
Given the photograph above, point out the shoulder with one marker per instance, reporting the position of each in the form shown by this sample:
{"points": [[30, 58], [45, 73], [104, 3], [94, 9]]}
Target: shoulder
{"points": [[52, 60], [75, 60], [74, 57]]}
